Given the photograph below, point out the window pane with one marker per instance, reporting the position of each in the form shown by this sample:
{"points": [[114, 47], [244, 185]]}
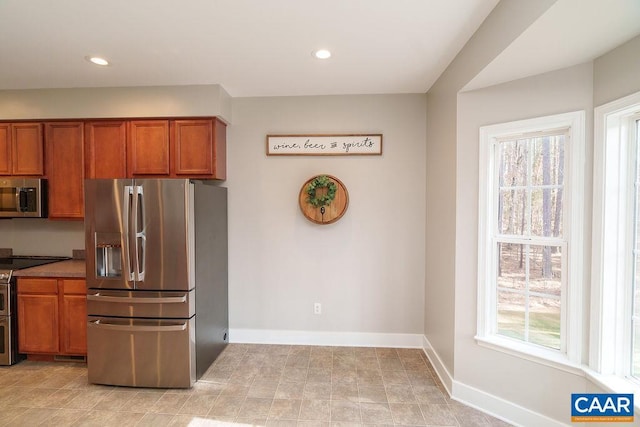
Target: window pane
{"points": [[513, 163], [546, 212], [544, 321], [545, 269], [529, 210], [511, 266], [511, 315], [548, 160], [511, 211]]}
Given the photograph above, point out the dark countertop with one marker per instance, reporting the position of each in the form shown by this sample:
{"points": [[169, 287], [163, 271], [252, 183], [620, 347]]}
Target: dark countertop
{"points": [[68, 268]]}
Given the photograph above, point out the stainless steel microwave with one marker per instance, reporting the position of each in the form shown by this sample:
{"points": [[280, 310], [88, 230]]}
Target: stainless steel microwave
{"points": [[23, 198]]}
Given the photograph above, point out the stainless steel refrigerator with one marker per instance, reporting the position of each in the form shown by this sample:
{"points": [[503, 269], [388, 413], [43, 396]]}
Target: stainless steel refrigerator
{"points": [[156, 280]]}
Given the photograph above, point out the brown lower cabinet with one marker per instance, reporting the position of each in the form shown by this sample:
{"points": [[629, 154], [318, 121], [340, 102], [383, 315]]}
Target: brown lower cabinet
{"points": [[52, 316]]}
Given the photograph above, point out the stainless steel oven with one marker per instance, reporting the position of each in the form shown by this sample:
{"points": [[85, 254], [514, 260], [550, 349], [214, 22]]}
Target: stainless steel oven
{"points": [[23, 198], [5, 304], [8, 337]]}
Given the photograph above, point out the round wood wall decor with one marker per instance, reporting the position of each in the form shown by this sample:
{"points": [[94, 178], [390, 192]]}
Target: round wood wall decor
{"points": [[325, 214]]}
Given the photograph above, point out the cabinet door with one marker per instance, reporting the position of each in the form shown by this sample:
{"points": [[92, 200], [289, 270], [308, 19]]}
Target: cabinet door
{"points": [[220, 149], [148, 147], [74, 325], [106, 149], [65, 169], [38, 323], [198, 148], [26, 149], [5, 149], [192, 147]]}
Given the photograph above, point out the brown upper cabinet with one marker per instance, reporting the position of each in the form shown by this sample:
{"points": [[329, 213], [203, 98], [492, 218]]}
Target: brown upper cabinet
{"points": [[148, 148], [179, 148], [21, 149], [106, 149], [67, 151], [65, 169], [198, 147]]}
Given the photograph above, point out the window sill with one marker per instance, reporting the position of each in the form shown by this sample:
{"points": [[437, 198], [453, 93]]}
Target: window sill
{"points": [[609, 383], [532, 353], [614, 384]]}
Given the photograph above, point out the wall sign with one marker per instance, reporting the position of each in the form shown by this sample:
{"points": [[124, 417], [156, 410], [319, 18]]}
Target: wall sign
{"points": [[324, 145]]}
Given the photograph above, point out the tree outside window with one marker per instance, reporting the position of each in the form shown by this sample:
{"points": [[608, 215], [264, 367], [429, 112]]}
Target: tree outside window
{"points": [[529, 238]]}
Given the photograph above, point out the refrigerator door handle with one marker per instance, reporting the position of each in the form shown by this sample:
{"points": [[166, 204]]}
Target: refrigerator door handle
{"points": [[139, 233], [138, 328], [137, 300], [128, 206]]}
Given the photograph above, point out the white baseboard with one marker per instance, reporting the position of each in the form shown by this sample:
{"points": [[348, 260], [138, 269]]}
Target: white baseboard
{"points": [[436, 362], [500, 408], [483, 401], [348, 339]]}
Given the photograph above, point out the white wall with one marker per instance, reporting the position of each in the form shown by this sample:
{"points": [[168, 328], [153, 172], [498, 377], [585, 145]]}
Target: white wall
{"points": [[41, 236], [525, 392], [151, 101], [367, 268], [506, 22], [519, 381], [616, 73]]}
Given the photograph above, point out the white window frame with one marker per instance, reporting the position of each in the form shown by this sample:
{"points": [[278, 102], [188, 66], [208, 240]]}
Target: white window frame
{"points": [[611, 298], [569, 357]]}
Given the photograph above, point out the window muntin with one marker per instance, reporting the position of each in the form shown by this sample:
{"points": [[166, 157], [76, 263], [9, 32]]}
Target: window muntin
{"points": [[528, 238]]}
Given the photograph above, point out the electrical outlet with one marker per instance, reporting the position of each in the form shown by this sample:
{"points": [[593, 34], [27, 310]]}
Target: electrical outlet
{"points": [[317, 308]]}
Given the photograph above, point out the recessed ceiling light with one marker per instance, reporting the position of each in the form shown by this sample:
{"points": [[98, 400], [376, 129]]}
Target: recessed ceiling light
{"points": [[97, 60], [322, 54]]}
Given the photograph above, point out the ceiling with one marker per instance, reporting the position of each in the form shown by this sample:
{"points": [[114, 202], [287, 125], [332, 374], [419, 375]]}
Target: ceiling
{"points": [[570, 32], [250, 47], [264, 47]]}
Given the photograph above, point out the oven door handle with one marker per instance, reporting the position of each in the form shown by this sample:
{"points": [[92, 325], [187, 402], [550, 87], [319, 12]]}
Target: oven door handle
{"points": [[137, 328], [137, 300]]}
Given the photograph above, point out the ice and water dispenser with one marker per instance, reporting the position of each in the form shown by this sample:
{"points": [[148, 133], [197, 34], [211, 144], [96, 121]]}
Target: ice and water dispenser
{"points": [[108, 255]]}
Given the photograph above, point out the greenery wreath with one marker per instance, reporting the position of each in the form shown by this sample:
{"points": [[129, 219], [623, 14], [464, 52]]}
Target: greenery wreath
{"points": [[321, 181]]}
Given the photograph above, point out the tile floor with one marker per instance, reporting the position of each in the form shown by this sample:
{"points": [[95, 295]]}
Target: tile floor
{"points": [[265, 385]]}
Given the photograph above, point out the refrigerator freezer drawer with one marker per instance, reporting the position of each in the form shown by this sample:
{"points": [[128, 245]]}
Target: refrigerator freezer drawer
{"points": [[141, 353], [157, 305]]}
